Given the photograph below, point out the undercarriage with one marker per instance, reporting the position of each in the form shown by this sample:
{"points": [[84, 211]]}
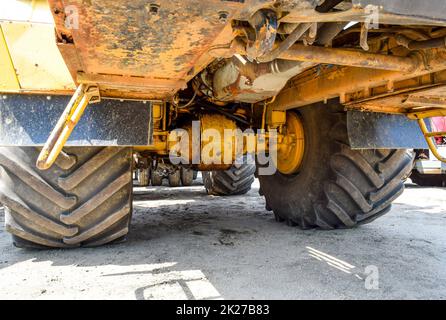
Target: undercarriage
{"points": [[329, 96]]}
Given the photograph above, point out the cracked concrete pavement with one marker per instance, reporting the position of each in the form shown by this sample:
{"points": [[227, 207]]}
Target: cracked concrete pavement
{"points": [[184, 244]]}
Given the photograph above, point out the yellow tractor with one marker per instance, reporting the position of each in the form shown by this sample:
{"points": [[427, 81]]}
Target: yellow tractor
{"points": [[322, 100]]}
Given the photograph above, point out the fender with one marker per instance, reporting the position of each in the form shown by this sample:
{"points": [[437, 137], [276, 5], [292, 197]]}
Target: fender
{"points": [[27, 120]]}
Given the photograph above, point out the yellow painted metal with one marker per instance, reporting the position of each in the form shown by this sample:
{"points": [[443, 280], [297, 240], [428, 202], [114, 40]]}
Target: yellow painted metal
{"points": [[291, 145], [160, 143], [428, 136], [277, 119], [70, 117], [159, 146], [214, 143], [420, 115], [214, 151], [37, 11], [36, 58], [428, 113], [8, 77], [29, 58], [157, 111]]}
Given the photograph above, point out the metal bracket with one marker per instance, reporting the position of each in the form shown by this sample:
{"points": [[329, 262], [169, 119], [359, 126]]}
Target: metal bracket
{"points": [[265, 25], [429, 135], [84, 95], [364, 36]]}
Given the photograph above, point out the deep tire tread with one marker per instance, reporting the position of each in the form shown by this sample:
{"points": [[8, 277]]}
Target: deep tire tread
{"points": [[235, 181], [385, 179], [357, 187], [84, 200]]}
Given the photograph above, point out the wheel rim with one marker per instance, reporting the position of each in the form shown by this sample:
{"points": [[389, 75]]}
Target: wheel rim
{"points": [[291, 146]]}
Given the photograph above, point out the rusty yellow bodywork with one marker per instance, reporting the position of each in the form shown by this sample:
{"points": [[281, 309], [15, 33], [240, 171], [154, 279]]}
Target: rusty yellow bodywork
{"points": [[142, 50], [29, 58], [8, 76], [157, 50], [151, 50]]}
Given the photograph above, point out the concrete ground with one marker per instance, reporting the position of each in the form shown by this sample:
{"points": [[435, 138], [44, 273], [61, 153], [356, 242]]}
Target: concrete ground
{"points": [[185, 244]]}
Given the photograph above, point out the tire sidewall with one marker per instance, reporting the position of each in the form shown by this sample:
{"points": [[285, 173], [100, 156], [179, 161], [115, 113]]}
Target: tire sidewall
{"points": [[291, 196]]}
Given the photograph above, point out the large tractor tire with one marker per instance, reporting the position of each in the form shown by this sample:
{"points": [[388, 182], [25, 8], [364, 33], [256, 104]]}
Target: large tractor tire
{"points": [[144, 177], [84, 199], [187, 176], [428, 180], [156, 178], [235, 181], [335, 186], [175, 179]]}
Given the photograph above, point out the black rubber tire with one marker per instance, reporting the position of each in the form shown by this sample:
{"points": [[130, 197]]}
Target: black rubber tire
{"points": [[84, 199], [175, 179], [195, 174], [235, 181], [336, 187], [428, 180], [156, 178], [187, 176], [144, 177]]}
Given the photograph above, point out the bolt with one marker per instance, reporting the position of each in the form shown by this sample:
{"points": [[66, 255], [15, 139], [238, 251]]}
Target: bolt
{"points": [[223, 16], [154, 8]]}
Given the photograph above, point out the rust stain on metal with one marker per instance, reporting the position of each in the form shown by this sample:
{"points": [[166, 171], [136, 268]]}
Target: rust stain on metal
{"points": [[352, 83], [162, 40]]}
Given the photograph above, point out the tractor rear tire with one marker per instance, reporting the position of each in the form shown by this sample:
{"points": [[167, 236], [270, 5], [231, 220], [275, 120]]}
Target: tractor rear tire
{"points": [[235, 181], [335, 186], [144, 177], [84, 199], [174, 179], [187, 176], [156, 178]]}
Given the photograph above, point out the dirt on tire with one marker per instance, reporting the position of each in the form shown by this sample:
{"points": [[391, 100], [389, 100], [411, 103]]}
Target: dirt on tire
{"points": [[336, 186], [85, 199]]}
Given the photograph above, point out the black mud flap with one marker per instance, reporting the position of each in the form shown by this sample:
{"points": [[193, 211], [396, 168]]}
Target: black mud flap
{"points": [[432, 9], [27, 120], [368, 130]]}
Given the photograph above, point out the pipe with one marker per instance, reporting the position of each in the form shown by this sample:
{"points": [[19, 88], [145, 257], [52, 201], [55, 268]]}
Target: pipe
{"points": [[287, 28], [244, 81], [223, 112], [327, 5], [420, 45], [413, 33], [331, 82], [297, 33], [329, 31], [352, 58], [286, 44]]}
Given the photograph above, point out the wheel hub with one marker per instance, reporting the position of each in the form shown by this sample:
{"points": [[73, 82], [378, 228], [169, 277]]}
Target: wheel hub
{"points": [[291, 146]]}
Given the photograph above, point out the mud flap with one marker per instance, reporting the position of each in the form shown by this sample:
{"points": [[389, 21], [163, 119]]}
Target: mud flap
{"points": [[27, 120], [433, 9], [368, 130]]}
